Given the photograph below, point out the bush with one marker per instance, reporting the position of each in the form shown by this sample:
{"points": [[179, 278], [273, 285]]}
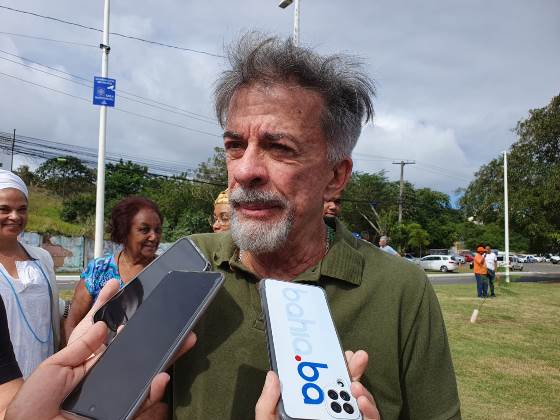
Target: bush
{"points": [[78, 208]]}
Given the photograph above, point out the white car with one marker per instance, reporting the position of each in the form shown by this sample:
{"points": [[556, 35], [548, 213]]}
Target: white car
{"points": [[555, 259], [443, 263], [514, 263]]}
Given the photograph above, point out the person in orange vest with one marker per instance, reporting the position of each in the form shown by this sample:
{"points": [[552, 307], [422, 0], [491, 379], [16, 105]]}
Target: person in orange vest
{"points": [[481, 272]]}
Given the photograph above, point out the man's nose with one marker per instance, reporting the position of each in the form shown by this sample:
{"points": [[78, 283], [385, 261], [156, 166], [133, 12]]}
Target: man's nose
{"points": [[250, 170]]}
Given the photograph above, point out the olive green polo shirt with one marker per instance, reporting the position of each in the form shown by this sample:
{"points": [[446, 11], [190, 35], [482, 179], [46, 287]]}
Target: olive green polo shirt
{"points": [[380, 303]]}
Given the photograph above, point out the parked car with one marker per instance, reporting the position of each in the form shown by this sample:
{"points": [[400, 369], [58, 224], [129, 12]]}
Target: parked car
{"points": [[539, 258], [514, 263], [531, 259], [459, 258], [555, 259], [411, 258], [523, 259], [468, 255], [443, 263]]}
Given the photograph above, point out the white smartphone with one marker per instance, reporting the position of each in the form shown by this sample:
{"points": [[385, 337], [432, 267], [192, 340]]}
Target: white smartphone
{"points": [[305, 352]]}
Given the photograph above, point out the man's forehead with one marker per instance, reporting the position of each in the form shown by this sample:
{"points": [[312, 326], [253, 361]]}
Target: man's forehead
{"points": [[274, 98]]}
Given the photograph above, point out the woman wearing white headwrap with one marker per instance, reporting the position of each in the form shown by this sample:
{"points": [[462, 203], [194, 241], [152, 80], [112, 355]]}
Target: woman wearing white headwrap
{"points": [[27, 281]]}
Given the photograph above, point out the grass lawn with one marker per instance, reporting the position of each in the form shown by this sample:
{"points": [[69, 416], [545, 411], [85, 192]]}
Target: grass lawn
{"points": [[508, 363], [44, 216]]}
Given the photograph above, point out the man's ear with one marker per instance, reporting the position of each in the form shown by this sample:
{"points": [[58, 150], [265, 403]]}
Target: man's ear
{"points": [[341, 171]]}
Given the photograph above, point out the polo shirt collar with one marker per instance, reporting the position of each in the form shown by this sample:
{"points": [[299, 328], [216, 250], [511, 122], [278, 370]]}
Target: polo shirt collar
{"points": [[343, 261]]}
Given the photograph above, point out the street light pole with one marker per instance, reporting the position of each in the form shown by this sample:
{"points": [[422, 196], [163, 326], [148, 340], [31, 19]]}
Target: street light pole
{"points": [[285, 3], [100, 194], [506, 216]]}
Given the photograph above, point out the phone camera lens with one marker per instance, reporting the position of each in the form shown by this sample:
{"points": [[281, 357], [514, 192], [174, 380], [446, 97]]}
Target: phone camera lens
{"points": [[348, 408], [344, 395], [332, 394], [336, 407]]}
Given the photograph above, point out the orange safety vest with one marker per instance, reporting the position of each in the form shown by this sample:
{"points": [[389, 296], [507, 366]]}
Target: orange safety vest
{"points": [[480, 265]]}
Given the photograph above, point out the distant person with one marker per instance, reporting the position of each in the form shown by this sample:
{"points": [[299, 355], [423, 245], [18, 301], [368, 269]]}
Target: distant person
{"points": [[481, 272], [221, 218], [365, 235], [27, 281], [385, 247], [332, 207], [135, 224], [491, 263]]}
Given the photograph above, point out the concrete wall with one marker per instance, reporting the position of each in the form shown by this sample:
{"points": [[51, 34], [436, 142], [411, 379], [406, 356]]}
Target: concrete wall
{"points": [[71, 254]]}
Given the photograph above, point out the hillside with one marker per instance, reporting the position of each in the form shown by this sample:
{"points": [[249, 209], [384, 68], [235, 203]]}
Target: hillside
{"points": [[44, 216]]}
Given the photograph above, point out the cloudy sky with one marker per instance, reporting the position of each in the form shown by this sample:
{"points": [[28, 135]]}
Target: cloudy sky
{"points": [[453, 78]]}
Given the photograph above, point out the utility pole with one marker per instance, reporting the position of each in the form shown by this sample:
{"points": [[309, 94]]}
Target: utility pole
{"points": [[13, 148], [285, 3], [100, 194], [506, 217], [402, 163]]}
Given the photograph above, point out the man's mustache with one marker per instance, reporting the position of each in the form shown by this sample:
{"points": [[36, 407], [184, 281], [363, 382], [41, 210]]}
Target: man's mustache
{"points": [[245, 196]]}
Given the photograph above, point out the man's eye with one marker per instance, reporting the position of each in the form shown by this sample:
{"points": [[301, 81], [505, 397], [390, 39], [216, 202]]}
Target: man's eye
{"points": [[280, 149], [234, 149]]}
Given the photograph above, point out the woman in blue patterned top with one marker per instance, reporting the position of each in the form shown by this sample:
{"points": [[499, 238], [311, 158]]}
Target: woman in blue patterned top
{"points": [[135, 224]]}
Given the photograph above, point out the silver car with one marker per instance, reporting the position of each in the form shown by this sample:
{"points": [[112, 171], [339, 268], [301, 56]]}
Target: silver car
{"points": [[443, 263]]}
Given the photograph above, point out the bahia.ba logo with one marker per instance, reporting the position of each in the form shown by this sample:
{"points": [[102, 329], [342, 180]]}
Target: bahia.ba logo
{"points": [[301, 344]]}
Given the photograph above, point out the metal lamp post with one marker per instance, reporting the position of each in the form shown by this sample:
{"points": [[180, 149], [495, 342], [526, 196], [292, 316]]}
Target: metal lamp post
{"points": [[285, 3], [100, 194]]}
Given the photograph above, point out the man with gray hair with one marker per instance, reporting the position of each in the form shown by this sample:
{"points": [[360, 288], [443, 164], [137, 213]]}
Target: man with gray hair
{"points": [[384, 246], [291, 119]]}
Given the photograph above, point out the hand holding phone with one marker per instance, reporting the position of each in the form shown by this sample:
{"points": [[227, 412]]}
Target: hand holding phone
{"points": [[45, 389], [118, 383], [266, 408], [305, 352]]}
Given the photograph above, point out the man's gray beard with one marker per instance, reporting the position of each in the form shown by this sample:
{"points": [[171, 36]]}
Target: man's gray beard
{"points": [[256, 236]]}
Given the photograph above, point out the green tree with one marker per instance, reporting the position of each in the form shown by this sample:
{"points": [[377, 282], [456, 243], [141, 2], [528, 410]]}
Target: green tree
{"points": [[534, 181], [65, 176], [418, 238], [79, 208], [214, 169], [124, 179], [26, 175], [369, 203]]}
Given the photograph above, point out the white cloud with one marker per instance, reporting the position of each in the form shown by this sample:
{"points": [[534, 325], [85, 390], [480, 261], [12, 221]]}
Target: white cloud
{"points": [[441, 163], [453, 78]]}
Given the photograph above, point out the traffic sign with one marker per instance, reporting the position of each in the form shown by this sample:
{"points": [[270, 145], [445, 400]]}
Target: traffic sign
{"points": [[104, 91]]}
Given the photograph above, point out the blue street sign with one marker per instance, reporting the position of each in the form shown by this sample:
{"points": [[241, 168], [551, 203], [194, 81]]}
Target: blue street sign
{"points": [[104, 90]]}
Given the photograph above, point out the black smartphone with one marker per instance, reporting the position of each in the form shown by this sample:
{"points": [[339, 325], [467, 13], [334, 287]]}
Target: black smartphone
{"points": [[117, 384], [183, 255]]}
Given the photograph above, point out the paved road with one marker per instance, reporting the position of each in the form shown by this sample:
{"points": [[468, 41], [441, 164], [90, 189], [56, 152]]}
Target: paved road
{"points": [[532, 272]]}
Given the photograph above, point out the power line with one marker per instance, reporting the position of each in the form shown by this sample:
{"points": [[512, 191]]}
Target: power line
{"points": [[79, 25], [80, 44], [116, 109], [189, 114], [46, 149], [426, 166]]}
